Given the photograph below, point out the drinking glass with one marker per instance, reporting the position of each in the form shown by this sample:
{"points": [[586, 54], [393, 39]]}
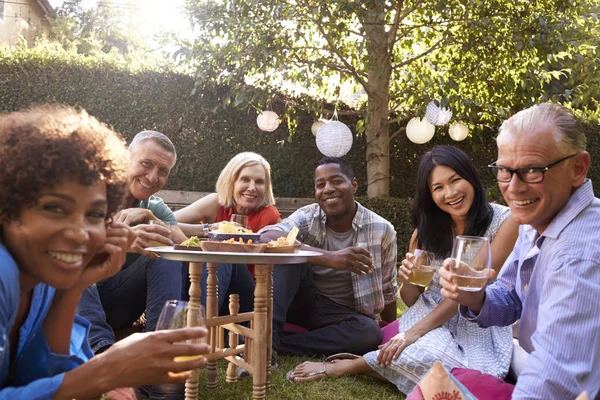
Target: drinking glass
{"points": [[240, 219], [423, 270], [471, 262], [177, 314]]}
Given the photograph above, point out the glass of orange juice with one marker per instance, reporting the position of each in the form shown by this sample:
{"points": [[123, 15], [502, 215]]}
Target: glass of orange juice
{"points": [[423, 270], [177, 314]]}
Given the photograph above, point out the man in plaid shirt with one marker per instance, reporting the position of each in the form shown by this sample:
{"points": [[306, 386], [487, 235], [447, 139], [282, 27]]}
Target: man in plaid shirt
{"points": [[337, 296]]}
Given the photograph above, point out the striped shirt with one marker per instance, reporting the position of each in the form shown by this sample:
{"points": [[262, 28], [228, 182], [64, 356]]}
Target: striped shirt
{"points": [[371, 291], [552, 282]]}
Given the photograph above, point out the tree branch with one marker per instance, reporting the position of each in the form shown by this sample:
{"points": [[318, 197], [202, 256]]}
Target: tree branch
{"points": [[412, 59], [397, 132]]}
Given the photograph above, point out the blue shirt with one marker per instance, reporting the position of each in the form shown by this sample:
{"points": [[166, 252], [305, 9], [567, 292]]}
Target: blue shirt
{"points": [[36, 372], [371, 291], [552, 283]]}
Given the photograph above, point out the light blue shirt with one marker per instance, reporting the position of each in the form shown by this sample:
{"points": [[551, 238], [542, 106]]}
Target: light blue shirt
{"points": [[552, 283], [36, 372]]}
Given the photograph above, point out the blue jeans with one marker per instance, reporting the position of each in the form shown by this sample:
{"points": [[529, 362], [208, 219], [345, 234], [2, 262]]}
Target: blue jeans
{"points": [[233, 279], [333, 328], [115, 303]]}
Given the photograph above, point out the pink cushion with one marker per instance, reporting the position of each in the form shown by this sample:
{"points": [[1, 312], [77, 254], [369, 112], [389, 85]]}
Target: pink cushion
{"points": [[389, 331], [287, 327], [483, 386]]}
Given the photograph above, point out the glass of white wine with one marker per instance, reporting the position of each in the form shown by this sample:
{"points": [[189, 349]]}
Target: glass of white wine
{"points": [[423, 270], [471, 261], [240, 219], [177, 314]]}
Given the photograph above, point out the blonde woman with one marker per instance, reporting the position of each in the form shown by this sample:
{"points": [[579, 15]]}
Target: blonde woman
{"points": [[244, 187]]}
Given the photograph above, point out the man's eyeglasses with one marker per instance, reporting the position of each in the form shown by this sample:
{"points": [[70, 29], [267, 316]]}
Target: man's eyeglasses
{"points": [[526, 174]]}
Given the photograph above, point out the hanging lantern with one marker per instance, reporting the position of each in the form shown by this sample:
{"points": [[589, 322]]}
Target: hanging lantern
{"points": [[267, 121], [334, 139], [419, 130], [458, 131], [316, 126], [438, 115]]}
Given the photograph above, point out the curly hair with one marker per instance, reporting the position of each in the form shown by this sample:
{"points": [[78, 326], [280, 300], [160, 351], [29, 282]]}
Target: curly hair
{"points": [[46, 145]]}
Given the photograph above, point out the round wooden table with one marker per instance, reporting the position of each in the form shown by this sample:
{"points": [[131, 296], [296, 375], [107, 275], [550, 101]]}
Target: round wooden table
{"points": [[258, 344]]}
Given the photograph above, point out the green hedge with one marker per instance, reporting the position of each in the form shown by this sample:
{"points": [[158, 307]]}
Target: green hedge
{"points": [[207, 133]]}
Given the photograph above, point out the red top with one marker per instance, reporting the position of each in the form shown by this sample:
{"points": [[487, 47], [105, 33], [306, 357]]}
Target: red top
{"points": [[257, 219]]}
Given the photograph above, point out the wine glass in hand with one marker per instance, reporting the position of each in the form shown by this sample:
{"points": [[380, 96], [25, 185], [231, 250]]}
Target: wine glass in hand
{"points": [[177, 314], [422, 271], [471, 261]]}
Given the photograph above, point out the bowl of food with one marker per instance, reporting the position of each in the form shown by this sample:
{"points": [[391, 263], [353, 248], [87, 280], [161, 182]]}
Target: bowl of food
{"points": [[233, 246], [230, 230], [282, 246]]}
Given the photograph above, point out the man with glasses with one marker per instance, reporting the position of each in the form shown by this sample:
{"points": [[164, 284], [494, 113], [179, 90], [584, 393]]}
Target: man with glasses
{"points": [[551, 280]]}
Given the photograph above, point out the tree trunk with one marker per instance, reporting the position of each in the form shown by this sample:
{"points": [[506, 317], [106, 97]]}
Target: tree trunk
{"points": [[377, 124]]}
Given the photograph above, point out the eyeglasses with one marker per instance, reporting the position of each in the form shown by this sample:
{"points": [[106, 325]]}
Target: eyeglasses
{"points": [[526, 174]]}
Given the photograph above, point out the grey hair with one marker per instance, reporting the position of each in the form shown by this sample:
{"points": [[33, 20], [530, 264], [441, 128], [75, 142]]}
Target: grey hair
{"points": [[159, 138], [568, 131]]}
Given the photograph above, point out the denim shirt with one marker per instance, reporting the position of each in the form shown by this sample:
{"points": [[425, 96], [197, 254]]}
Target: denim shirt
{"points": [[36, 372], [371, 291]]}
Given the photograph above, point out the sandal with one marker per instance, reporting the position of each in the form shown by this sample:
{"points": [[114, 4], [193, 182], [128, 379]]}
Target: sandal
{"points": [[342, 356], [310, 377]]}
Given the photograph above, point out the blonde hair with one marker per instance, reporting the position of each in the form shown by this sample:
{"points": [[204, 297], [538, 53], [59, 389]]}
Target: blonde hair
{"points": [[567, 130], [231, 172]]}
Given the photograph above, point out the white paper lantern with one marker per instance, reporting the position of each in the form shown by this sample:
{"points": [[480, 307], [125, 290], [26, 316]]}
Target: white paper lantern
{"points": [[419, 130], [458, 131], [334, 139], [316, 126], [267, 121], [437, 115]]}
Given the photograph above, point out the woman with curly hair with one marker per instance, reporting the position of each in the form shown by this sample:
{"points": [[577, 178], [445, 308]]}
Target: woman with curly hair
{"points": [[63, 177]]}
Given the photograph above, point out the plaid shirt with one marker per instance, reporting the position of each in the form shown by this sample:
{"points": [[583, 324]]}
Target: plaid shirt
{"points": [[371, 291]]}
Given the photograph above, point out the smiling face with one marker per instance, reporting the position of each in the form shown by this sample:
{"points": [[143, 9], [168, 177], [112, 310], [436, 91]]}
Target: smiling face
{"points": [[335, 192], [451, 192], [249, 188], [149, 169], [537, 204], [55, 238]]}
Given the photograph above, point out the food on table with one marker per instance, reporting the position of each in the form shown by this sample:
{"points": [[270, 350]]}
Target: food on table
{"points": [[193, 241], [239, 241], [289, 240], [231, 227]]}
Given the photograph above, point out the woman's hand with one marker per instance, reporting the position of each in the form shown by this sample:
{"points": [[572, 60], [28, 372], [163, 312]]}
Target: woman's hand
{"points": [[146, 358], [395, 346], [406, 268], [110, 259]]}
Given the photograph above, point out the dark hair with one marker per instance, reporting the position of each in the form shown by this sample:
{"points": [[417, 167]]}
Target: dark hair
{"points": [[344, 166], [434, 226], [43, 146]]}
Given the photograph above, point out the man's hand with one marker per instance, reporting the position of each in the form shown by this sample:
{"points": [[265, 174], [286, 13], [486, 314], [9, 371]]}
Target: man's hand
{"points": [[473, 300], [148, 236], [147, 358], [134, 216], [354, 259], [391, 350], [110, 259]]}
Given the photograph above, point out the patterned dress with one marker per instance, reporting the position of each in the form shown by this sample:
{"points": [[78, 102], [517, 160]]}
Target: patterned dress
{"points": [[457, 343]]}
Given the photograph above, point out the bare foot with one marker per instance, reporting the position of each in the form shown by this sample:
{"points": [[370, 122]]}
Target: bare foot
{"points": [[330, 369]]}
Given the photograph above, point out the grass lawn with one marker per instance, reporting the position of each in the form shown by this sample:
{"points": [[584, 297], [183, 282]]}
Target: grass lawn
{"points": [[343, 388], [348, 387]]}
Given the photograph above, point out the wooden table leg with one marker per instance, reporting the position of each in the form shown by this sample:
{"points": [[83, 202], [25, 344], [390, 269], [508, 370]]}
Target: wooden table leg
{"points": [[261, 329], [212, 304], [269, 325], [191, 385]]}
